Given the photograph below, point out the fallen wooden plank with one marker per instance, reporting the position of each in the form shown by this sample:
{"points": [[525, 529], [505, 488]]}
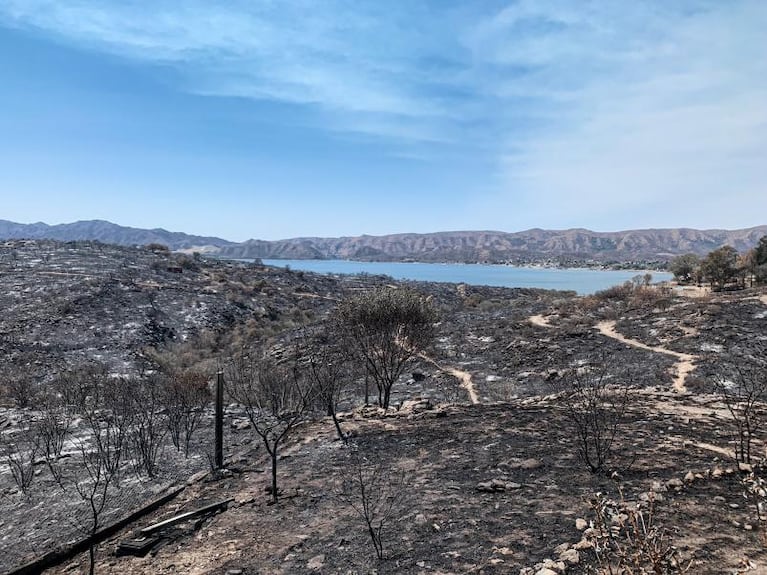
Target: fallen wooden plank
{"points": [[60, 555], [185, 517], [136, 547]]}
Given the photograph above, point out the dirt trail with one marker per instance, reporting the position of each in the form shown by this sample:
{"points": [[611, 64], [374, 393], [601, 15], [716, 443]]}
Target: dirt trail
{"points": [[684, 365], [728, 453], [463, 376], [539, 320]]}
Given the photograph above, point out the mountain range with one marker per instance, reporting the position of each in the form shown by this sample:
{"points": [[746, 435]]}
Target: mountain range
{"points": [[463, 246]]}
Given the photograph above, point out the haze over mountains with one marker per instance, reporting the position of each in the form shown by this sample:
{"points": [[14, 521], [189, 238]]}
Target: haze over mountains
{"points": [[462, 246]]}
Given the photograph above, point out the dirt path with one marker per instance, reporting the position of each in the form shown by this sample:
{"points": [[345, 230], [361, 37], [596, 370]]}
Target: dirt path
{"points": [[463, 376], [685, 362], [539, 320]]}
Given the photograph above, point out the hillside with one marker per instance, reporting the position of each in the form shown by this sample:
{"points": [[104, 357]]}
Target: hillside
{"points": [[535, 245], [530, 245], [494, 482], [106, 232]]}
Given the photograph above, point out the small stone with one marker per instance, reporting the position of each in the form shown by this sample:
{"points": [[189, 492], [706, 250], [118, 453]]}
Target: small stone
{"points": [[719, 499], [734, 506], [510, 485], [316, 563], [571, 556], [531, 463], [583, 544], [748, 527], [745, 467], [485, 487], [674, 483], [690, 477], [581, 524], [717, 472], [561, 548], [498, 485], [234, 572], [651, 496], [420, 519], [546, 571]]}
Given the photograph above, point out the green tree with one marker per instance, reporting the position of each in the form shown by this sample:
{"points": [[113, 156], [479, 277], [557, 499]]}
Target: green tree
{"points": [[684, 267], [384, 330], [720, 266]]}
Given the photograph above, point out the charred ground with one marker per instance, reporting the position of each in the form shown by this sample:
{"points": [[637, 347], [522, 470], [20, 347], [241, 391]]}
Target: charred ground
{"points": [[65, 303]]}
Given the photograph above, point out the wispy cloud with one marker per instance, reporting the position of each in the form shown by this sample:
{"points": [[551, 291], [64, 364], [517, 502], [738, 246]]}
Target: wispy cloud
{"points": [[338, 56], [582, 106]]}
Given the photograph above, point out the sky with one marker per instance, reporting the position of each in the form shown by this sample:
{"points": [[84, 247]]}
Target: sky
{"points": [[275, 119]]}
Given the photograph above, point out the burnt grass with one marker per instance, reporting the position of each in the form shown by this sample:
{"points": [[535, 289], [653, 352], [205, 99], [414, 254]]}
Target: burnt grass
{"points": [[64, 303]]}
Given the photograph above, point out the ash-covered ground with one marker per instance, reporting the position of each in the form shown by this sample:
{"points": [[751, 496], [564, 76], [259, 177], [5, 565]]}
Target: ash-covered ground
{"points": [[502, 349]]}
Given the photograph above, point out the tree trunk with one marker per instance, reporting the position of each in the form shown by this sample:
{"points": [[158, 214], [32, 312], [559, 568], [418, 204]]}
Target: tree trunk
{"points": [[274, 474], [338, 426]]}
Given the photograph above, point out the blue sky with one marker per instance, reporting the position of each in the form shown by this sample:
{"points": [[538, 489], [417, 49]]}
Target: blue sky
{"points": [[277, 119]]}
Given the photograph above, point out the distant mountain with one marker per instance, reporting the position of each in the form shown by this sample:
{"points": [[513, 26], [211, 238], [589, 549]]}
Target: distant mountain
{"points": [[526, 246], [109, 233], [530, 245]]}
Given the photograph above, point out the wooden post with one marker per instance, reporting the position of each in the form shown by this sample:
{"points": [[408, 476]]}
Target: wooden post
{"points": [[219, 448]]}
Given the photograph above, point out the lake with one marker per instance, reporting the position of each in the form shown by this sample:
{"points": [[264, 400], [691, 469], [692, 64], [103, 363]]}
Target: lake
{"points": [[582, 281]]}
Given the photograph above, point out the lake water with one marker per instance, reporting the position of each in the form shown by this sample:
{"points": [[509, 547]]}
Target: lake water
{"points": [[583, 281]]}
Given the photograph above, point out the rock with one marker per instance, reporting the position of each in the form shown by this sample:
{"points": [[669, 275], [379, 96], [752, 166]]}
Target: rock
{"points": [[674, 483], [658, 487], [745, 467], [420, 519], [690, 477], [556, 566], [510, 485], [316, 563], [485, 487], [561, 548], [719, 499], [651, 496], [583, 544], [199, 476], [498, 484], [581, 524], [571, 557], [531, 463], [234, 572], [546, 571]]}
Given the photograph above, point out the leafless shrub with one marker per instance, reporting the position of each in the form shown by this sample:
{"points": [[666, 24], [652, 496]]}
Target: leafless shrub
{"points": [[596, 396], [185, 396], [55, 422], [276, 398], [104, 404], [20, 386], [150, 423], [376, 491], [328, 370], [20, 450], [742, 383], [628, 540]]}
